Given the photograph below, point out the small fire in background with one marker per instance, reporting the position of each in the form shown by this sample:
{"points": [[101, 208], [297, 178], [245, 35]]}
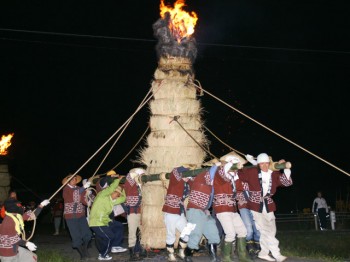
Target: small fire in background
{"points": [[5, 142], [181, 23]]}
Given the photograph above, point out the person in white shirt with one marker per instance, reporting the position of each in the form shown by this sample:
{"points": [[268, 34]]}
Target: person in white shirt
{"points": [[263, 183], [320, 208]]}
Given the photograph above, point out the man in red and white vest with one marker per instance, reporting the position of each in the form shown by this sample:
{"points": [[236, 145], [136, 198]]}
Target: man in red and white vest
{"points": [[11, 230], [200, 200], [132, 206], [263, 182], [174, 212], [75, 214], [226, 186]]}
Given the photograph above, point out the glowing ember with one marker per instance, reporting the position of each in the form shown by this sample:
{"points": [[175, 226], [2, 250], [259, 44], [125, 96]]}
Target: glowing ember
{"points": [[5, 142], [181, 22]]}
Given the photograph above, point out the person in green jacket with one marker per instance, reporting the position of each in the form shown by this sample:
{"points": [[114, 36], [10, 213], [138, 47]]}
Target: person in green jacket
{"points": [[109, 233]]}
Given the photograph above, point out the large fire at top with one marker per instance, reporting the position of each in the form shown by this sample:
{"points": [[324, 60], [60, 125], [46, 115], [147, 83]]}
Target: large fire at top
{"points": [[181, 23], [5, 142], [174, 31]]}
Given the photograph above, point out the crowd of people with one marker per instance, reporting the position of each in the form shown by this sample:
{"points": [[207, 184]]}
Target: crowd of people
{"points": [[222, 205]]}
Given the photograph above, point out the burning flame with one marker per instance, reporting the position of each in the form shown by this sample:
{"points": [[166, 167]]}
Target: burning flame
{"points": [[5, 142], [181, 23]]}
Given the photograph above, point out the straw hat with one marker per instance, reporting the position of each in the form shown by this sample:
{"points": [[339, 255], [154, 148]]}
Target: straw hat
{"points": [[233, 157], [211, 162], [64, 181]]}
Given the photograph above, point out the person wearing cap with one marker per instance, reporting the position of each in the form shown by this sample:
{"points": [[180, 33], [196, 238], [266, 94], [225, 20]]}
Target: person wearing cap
{"points": [[75, 214], [226, 186], [174, 212], [105, 181], [109, 233], [11, 230], [263, 183], [132, 207]]}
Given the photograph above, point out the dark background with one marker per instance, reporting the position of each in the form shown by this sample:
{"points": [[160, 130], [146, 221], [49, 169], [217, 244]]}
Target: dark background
{"points": [[66, 90]]}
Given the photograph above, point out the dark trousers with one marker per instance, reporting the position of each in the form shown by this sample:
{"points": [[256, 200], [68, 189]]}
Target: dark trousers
{"points": [[322, 217], [108, 237], [79, 231]]}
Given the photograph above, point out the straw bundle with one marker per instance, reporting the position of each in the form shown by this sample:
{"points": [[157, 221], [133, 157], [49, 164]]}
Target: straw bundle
{"points": [[168, 145]]}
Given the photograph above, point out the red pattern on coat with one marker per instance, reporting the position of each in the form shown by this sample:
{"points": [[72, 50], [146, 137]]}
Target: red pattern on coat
{"points": [[200, 190], [251, 176], [9, 238], [174, 194], [132, 195], [73, 207]]}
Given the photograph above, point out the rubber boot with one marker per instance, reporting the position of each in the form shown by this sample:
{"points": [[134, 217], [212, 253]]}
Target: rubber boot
{"points": [[171, 252], [133, 255], [182, 245], [188, 254], [257, 247], [233, 252], [212, 252], [251, 248], [242, 250], [226, 252]]}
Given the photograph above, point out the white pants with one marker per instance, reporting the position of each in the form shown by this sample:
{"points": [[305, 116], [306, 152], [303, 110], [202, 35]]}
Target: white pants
{"points": [[23, 255], [232, 224], [174, 222], [134, 221], [266, 224]]}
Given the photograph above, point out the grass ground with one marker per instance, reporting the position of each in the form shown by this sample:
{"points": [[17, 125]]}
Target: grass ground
{"points": [[322, 245], [318, 245]]}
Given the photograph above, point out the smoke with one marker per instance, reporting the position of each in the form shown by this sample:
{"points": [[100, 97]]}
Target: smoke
{"points": [[168, 45]]}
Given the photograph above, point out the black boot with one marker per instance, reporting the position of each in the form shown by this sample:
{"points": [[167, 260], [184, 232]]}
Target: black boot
{"points": [[251, 248], [85, 251], [188, 254], [81, 253], [212, 252], [138, 249], [257, 247], [133, 255]]}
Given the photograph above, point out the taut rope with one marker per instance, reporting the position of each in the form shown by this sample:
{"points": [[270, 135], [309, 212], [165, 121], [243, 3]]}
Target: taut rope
{"points": [[207, 151], [269, 129]]}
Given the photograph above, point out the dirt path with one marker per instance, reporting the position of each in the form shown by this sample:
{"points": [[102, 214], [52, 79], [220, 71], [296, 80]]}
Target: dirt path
{"points": [[45, 240]]}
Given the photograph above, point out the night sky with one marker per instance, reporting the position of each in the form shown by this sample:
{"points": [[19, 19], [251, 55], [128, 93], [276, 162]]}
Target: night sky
{"points": [[72, 72]]}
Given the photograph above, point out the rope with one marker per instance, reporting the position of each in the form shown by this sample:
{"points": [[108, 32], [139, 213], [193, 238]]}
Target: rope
{"points": [[269, 129], [93, 155], [175, 119], [144, 101], [228, 146], [132, 149]]}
